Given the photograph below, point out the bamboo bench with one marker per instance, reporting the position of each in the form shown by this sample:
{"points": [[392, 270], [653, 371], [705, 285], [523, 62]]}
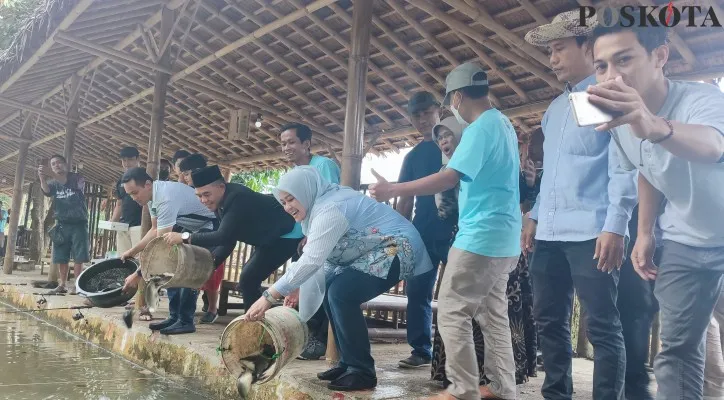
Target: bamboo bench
{"points": [[383, 302]]}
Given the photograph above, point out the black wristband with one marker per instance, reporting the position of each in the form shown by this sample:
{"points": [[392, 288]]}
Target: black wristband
{"points": [[668, 135]]}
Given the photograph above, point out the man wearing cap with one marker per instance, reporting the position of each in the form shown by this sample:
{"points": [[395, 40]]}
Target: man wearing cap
{"points": [[127, 211], [487, 245], [579, 223], [171, 204], [423, 160], [210, 289], [244, 216]]}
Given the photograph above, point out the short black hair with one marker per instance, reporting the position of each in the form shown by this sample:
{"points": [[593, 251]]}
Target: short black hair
{"points": [[192, 162], [179, 155], [128, 152], [58, 156], [303, 131], [163, 160], [650, 37], [138, 175]]}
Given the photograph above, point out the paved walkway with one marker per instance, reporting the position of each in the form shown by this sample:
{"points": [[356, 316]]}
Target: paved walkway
{"points": [[394, 383]]}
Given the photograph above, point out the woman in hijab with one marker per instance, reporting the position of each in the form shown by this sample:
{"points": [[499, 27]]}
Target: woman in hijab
{"points": [[447, 135], [356, 250]]}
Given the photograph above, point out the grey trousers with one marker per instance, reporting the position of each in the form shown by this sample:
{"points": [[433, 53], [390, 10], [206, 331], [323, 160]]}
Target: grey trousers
{"points": [[714, 365], [473, 286], [688, 286]]}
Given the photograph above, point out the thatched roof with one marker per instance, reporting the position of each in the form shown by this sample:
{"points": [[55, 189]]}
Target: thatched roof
{"points": [[285, 60]]}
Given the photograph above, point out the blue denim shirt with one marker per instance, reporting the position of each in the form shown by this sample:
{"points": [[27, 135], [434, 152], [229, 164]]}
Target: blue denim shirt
{"points": [[584, 190]]}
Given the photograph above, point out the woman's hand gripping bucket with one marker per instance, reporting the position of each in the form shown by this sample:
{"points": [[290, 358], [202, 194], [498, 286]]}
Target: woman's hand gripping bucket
{"points": [[256, 352]]}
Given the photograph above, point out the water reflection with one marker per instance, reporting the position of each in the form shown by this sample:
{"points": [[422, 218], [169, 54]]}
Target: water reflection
{"points": [[42, 362]]}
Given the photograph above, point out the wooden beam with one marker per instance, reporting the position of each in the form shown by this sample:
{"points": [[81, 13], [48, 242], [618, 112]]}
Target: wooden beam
{"points": [[160, 85], [534, 12], [71, 126], [17, 204], [14, 138], [118, 56], [77, 10], [33, 109], [480, 15], [456, 25]]}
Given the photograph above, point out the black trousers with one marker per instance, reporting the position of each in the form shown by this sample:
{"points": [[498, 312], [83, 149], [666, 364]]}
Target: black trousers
{"points": [[557, 268], [263, 262]]}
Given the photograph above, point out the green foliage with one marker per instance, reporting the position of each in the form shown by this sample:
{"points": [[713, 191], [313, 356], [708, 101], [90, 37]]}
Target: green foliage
{"points": [[13, 15], [259, 181]]}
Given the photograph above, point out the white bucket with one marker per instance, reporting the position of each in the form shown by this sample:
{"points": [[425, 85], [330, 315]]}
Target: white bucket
{"points": [[282, 328], [191, 266]]}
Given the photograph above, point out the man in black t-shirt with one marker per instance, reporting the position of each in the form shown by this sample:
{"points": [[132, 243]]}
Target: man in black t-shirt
{"points": [[127, 210], [70, 233], [423, 160]]}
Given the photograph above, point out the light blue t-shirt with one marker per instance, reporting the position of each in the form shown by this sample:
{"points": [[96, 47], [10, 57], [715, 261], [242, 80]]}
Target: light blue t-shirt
{"points": [[326, 167], [329, 171], [3, 221], [487, 160]]}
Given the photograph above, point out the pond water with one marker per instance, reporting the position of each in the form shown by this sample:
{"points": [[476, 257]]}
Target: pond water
{"points": [[39, 362]]}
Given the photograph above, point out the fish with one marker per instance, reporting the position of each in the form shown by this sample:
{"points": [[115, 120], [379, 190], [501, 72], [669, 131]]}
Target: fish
{"points": [[128, 318], [254, 368]]}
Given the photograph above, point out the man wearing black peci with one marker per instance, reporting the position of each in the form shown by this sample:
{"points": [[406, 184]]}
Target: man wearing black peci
{"points": [[245, 216]]}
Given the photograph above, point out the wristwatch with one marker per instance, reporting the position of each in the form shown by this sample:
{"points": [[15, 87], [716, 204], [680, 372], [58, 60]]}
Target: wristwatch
{"points": [[268, 297], [185, 237]]}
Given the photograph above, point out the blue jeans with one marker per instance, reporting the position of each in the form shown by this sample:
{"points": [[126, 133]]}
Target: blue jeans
{"points": [[557, 268], [688, 285], [182, 304], [346, 292], [419, 292]]}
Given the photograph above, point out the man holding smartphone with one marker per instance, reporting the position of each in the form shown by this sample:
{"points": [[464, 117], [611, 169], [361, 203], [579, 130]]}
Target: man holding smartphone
{"points": [[579, 223], [673, 133]]}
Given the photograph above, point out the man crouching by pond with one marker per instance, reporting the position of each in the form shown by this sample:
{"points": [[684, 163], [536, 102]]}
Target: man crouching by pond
{"points": [[171, 204]]}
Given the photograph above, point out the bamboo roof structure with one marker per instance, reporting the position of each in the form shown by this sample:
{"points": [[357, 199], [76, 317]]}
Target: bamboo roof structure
{"points": [[284, 60]]}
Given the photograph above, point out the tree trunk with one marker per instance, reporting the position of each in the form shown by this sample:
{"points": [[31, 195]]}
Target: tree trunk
{"points": [[39, 231]]}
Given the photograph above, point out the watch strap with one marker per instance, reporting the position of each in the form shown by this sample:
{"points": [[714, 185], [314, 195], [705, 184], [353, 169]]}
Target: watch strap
{"points": [[668, 135], [268, 297]]}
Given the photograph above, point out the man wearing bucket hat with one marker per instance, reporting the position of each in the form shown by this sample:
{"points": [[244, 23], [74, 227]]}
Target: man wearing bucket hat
{"points": [[577, 247], [171, 204], [244, 216], [487, 245]]}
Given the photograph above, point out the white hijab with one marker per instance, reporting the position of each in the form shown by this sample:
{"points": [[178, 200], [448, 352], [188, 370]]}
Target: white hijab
{"points": [[312, 190]]}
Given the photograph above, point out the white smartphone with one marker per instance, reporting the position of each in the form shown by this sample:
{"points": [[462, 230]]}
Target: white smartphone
{"points": [[585, 113]]}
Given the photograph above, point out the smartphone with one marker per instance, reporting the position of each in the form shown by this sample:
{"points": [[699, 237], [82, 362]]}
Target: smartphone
{"points": [[585, 113]]}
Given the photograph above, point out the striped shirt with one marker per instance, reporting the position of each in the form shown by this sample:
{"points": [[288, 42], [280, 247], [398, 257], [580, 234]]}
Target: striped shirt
{"points": [[174, 203]]}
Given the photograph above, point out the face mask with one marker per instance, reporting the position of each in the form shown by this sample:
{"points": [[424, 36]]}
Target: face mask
{"points": [[456, 113]]}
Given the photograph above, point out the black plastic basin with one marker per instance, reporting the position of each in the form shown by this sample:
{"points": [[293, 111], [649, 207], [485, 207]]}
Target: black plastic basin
{"points": [[102, 282]]}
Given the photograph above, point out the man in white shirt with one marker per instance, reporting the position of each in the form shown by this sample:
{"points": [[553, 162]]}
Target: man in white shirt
{"points": [[672, 132], [171, 204]]}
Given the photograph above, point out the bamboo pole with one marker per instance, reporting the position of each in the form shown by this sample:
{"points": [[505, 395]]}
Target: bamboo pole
{"points": [[160, 84], [26, 132], [30, 108], [71, 126], [354, 122]]}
